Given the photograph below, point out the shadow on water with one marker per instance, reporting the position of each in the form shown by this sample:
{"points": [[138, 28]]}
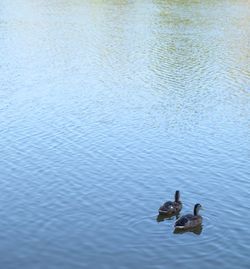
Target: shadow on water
{"points": [[197, 230], [163, 217]]}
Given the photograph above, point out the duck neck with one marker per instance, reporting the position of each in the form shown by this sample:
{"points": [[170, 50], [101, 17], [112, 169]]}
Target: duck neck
{"points": [[177, 196], [196, 211]]}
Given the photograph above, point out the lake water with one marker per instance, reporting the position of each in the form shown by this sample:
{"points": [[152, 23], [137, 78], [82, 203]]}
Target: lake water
{"points": [[106, 108]]}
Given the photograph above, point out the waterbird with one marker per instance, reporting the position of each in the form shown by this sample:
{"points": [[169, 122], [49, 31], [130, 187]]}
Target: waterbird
{"points": [[171, 208], [189, 221]]}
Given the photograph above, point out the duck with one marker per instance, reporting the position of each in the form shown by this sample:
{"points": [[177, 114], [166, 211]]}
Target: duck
{"points": [[171, 208], [190, 221]]}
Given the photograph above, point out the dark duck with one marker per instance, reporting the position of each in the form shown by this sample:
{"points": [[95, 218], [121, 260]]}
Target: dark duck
{"points": [[171, 208], [189, 221]]}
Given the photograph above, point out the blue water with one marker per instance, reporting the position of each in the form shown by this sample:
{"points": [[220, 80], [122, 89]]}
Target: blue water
{"points": [[108, 107]]}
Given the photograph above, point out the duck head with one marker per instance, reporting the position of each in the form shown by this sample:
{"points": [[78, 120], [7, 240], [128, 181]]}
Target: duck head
{"points": [[197, 207]]}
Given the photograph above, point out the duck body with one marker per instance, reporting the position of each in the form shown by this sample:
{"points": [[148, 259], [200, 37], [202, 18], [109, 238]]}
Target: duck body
{"points": [[171, 208], [189, 221]]}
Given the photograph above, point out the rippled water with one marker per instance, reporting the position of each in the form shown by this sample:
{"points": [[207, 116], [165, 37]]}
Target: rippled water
{"points": [[108, 107]]}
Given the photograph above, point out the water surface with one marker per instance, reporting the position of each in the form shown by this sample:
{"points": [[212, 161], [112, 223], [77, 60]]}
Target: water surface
{"points": [[106, 108]]}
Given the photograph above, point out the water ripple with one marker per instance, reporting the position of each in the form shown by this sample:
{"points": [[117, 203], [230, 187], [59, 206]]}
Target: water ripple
{"points": [[108, 107]]}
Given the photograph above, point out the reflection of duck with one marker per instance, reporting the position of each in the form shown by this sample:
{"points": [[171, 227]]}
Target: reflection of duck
{"points": [[197, 230], [170, 207], [162, 217], [189, 221]]}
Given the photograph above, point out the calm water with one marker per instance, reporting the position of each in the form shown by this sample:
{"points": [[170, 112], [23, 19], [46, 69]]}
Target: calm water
{"points": [[106, 108]]}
